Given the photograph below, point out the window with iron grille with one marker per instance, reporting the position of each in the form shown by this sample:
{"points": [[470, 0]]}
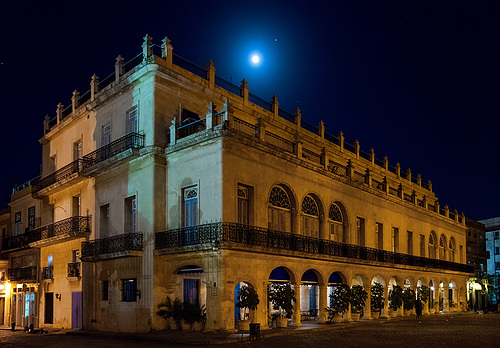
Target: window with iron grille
{"points": [[105, 290], [129, 290]]}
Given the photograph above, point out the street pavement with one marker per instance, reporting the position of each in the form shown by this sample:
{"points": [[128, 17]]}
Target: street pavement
{"points": [[438, 330]]}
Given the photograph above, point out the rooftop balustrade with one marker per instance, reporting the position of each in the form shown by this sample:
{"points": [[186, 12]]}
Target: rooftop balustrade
{"points": [[224, 234]]}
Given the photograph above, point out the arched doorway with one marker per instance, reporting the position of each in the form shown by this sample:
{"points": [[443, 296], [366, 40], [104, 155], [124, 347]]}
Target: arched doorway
{"points": [[309, 295], [278, 276]]}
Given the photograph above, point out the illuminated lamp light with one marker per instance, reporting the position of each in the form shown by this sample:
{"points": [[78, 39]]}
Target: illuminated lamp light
{"points": [[432, 288], [477, 286], [2, 287], [450, 285]]}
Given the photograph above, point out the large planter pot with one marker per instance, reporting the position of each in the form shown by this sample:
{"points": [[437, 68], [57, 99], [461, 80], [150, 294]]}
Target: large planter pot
{"points": [[173, 324], [243, 325], [186, 326], [376, 315], [337, 318], [355, 316], [198, 325], [281, 322], [393, 314]]}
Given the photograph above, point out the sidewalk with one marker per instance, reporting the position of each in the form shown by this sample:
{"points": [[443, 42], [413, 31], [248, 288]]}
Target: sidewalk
{"points": [[192, 338]]}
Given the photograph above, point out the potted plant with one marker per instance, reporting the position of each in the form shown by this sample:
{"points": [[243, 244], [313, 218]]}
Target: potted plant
{"points": [[339, 301], [188, 316], [282, 297], [358, 299], [248, 299], [423, 295], [200, 317], [171, 310], [395, 300], [376, 300], [408, 301]]}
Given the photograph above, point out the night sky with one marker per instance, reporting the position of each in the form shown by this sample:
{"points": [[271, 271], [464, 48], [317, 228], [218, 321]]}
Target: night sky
{"points": [[418, 81]]}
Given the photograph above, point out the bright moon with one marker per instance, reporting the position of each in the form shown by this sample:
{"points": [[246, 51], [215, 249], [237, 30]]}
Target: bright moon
{"points": [[255, 59]]}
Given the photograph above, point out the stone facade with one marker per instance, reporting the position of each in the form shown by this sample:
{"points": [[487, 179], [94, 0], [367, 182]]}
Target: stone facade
{"points": [[194, 187]]}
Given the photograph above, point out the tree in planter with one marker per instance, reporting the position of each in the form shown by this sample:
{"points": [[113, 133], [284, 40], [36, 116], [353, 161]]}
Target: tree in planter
{"points": [[377, 298], [172, 310], [247, 299], [408, 299], [395, 298], [339, 298], [358, 299], [423, 294], [282, 297]]}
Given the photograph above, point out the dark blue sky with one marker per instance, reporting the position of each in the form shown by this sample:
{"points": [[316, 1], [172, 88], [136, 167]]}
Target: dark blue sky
{"points": [[415, 80]]}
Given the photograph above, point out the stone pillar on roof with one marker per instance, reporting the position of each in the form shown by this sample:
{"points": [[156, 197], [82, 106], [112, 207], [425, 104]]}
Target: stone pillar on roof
{"points": [[59, 112], [275, 106], [75, 101], [147, 50], [167, 51], [119, 70], [211, 74], [244, 91], [94, 86]]}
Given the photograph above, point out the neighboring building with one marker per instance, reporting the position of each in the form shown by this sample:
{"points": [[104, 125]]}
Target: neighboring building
{"points": [[477, 256], [493, 247], [4, 264], [184, 185]]}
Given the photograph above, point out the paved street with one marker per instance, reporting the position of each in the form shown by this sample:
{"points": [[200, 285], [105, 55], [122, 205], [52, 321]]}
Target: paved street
{"points": [[432, 331]]}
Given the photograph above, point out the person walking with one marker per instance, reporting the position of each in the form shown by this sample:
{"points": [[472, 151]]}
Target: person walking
{"points": [[418, 309]]}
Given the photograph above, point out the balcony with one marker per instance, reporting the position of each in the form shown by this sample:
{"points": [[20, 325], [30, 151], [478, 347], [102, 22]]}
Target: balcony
{"points": [[48, 273], [22, 274], [233, 235], [58, 180], [74, 270], [61, 231], [111, 155], [18, 242], [123, 245]]}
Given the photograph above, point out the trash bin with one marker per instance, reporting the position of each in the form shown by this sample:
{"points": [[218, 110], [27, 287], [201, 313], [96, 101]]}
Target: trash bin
{"points": [[13, 326], [254, 331]]}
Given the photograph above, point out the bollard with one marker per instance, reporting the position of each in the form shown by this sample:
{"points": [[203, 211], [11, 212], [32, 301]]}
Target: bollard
{"points": [[13, 326]]}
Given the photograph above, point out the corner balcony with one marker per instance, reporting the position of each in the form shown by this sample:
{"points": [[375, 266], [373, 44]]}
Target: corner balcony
{"points": [[62, 231], [25, 274], [113, 154], [238, 236], [19, 242], [58, 180], [123, 245]]}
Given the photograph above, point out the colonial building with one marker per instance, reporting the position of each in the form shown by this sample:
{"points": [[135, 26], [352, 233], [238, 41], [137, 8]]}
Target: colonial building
{"points": [[477, 256], [492, 226], [181, 184]]}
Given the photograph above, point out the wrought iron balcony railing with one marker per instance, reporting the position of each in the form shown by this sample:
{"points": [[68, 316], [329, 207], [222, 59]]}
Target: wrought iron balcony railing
{"points": [[115, 244], [72, 226], [68, 227], [255, 236], [74, 269], [22, 273], [129, 141], [48, 272], [60, 174]]}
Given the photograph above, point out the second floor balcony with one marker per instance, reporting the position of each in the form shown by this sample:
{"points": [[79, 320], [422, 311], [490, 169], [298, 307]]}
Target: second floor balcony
{"points": [[74, 270], [122, 245], [238, 236], [25, 274], [61, 231], [112, 154], [48, 272]]}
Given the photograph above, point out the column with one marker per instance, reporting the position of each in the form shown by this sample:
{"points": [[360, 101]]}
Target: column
{"points": [[59, 112], [211, 74], [323, 227], [118, 68], [75, 101], [275, 106], [368, 306], [94, 86], [260, 315], [295, 221], [244, 91], [323, 303], [166, 51], [446, 307], [385, 313], [296, 305], [147, 51]]}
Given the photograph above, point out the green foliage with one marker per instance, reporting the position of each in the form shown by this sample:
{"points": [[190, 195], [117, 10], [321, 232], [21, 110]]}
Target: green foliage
{"points": [[423, 293], [408, 299], [377, 297], [247, 298], [170, 309], [340, 298], [358, 298], [395, 297], [282, 297]]}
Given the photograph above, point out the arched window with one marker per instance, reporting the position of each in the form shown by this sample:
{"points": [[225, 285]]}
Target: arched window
{"points": [[280, 210], [336, 223], [442, 247], [452, 249], [310, 217], [432, 246]]}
